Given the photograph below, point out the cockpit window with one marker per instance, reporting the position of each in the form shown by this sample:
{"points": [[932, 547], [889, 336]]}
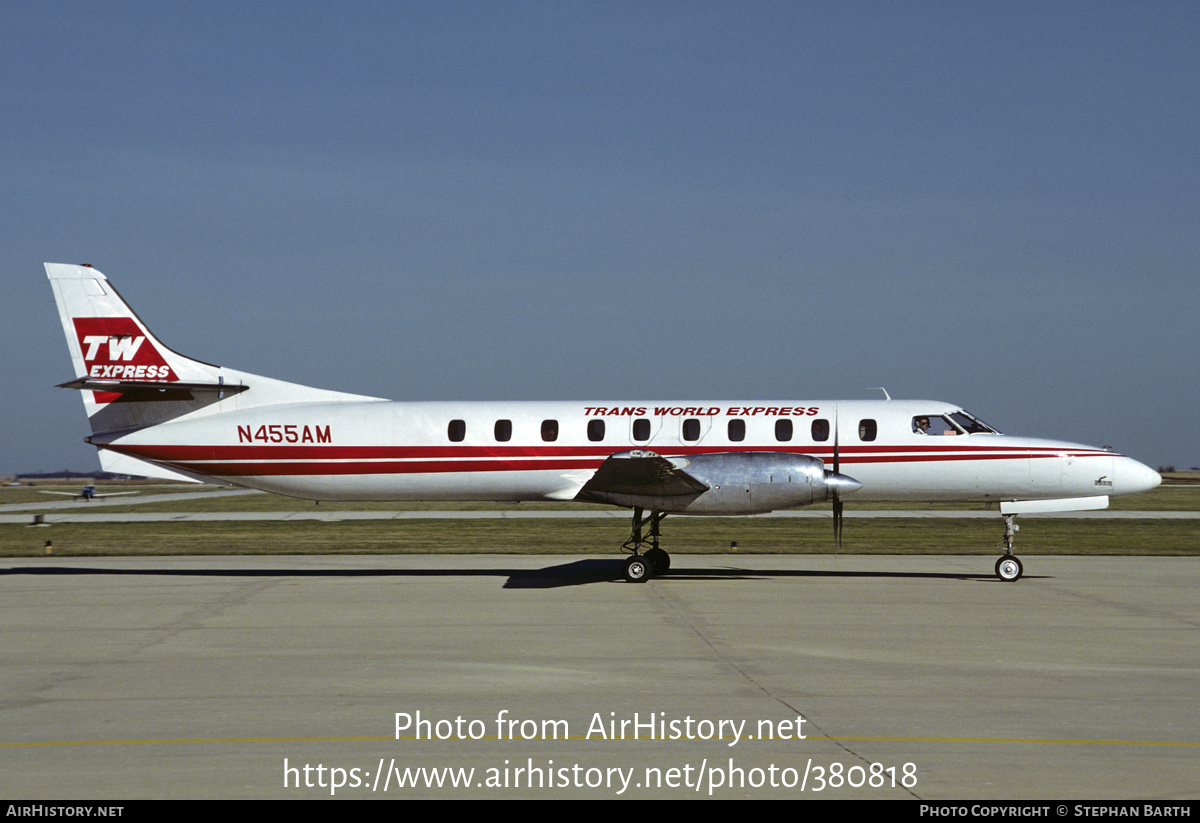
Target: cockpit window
{"points": [[933, 425], [972, 424]]}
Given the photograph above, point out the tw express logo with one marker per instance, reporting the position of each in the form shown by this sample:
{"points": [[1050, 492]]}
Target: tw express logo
{"points": [[114, 348]]}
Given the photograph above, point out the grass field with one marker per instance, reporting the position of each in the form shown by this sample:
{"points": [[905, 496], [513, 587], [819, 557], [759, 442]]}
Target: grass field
{"points": [[682, 535], [602, 537]]}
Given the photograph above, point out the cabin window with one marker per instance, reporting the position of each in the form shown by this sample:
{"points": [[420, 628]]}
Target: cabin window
{"points": [[867, 430], [595, 430], [737, 431], [820, 431], [549, 430], [783, 430], [691, 429], [641, 429], [503, 431], [457, 430]]}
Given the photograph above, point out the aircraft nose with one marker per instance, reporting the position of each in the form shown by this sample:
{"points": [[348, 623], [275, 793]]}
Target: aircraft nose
{"points": [[1133, 477]]}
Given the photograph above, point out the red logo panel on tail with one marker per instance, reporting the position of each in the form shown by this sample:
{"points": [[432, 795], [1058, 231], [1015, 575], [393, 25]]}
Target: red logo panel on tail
{"points": [[114, 348]]}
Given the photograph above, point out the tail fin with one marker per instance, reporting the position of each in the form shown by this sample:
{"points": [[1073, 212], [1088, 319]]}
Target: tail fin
{"points": [[129, 380], [119, 363]]}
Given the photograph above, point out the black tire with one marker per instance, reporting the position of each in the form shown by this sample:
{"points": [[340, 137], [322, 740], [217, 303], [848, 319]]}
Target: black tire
{"points": [[637, 569], [1009, 569], [660, 561]]}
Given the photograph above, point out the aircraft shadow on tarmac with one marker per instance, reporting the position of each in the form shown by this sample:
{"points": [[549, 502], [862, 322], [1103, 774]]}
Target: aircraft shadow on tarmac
{"points": [[575, 573], [581, 572]]}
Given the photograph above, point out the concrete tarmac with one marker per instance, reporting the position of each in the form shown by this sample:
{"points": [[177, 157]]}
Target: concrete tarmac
{"points": [[916, 677]]}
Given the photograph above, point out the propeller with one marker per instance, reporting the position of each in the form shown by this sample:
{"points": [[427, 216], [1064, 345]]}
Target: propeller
{"points": [[837, 498]]}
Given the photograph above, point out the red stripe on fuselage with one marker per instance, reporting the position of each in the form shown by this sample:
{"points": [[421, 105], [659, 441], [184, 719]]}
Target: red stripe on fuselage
{"points": [[383, 467], [259, 461], [244, 452]]}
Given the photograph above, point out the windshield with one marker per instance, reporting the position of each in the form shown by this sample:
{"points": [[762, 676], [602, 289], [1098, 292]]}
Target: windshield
{"points": [[971, 424]]}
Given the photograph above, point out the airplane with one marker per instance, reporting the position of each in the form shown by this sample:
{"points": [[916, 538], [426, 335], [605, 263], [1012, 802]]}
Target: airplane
{"points": [[157, 413], [88, 492]]}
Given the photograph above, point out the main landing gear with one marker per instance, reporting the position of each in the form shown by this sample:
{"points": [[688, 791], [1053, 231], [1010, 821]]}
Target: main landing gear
{"points": [[641, 567], [1008, 567]]}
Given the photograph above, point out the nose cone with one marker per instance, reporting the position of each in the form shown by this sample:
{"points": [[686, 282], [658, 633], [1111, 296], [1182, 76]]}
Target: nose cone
{"points": [[842, 484], [1133, 477]]}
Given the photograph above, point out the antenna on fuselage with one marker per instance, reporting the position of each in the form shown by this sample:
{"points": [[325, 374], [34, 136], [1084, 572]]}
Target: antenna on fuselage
{"points": [[886, 396]]}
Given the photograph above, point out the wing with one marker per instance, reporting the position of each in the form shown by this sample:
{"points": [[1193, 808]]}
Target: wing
{"points": [[640, 473]]}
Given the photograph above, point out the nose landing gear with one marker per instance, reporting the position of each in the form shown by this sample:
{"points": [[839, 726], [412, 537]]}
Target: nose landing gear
{"points": [[1008, 567]]}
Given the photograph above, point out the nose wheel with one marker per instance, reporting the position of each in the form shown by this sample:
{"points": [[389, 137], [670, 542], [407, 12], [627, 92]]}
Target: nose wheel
{"points": [[1009, 569]]}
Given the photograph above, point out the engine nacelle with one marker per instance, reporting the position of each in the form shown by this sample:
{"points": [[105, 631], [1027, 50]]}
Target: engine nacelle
{"points": [[757, 482]]}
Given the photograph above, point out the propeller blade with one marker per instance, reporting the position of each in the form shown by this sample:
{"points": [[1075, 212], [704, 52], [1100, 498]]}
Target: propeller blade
{"points": [[837, 498]]}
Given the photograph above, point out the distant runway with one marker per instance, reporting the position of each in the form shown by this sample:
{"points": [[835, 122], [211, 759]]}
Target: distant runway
{"points": [[916, 677], [76, 510], [57, 500]]}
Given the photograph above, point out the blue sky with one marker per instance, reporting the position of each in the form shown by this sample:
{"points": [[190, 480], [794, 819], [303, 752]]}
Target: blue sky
{"points": [[991, 204]]}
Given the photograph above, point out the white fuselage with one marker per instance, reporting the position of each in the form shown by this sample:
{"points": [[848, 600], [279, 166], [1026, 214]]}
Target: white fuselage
{"points": [[381, 450]]}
